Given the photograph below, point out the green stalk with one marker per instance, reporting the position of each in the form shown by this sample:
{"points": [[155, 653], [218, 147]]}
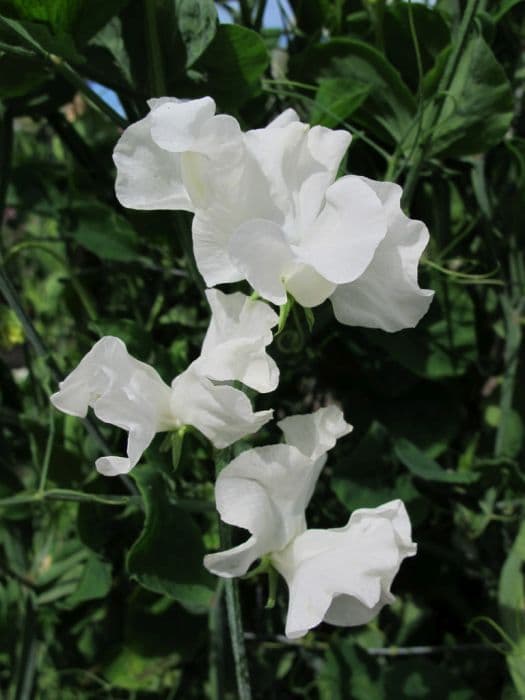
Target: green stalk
{"points": [[233, 604], [49, 450], [513, 306], [60, 66], [156, 69], [437, 105], [216, 626], [27, 665], [63, 495]]}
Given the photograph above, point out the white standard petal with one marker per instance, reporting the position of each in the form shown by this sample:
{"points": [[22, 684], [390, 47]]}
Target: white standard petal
{"points": [[265, 491], [342, 241], [387, 295], [176, 125], [234, 345], [121, 391], [298, 163], [221, 413], [259, 249], [344, 575], [315, 433], [148, 177]]}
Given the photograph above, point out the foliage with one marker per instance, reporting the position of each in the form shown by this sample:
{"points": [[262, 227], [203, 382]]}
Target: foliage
{"points": [[101, 589]]}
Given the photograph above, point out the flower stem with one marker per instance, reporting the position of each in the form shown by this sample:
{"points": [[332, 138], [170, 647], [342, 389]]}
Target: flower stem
{"points": [[436, 107], [233, 604], [156, 69]]}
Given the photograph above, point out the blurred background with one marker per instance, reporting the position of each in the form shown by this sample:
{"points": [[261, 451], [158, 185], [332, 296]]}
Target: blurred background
{"points": [[102, 590]]}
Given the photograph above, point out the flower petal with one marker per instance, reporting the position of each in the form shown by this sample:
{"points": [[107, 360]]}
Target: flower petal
{"points": [[308, 287], [259, 249], [315, 433], [122, 391], [387, 295], [343, 575], [176, 125], [342, 241], [264, 490], [221, 413], [234, 345], [148, 177]]}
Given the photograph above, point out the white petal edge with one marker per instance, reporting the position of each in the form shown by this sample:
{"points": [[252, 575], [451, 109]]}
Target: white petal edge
{"points": [[344, 575], [148, 177], [387, 295], [264, 490], [221, 413], [343, 239], [315, 433]]}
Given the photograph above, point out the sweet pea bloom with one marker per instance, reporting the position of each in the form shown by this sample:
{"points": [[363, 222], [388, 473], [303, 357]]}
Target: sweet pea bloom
{"points": [[343, 575], [131, 395], [268, 209], [163, 159], [234, 345]]}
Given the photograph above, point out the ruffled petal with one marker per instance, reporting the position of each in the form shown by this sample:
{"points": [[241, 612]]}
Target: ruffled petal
{"points": [[315, 433], [176, 125], [308, 287], [148, 177], [387, 295], [344, 575], [259, 250], [221, 413], [265, 491], [234, 345], [121, 391], [343, 239]]}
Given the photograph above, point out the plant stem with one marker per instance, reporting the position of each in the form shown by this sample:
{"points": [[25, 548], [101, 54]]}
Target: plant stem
{"points": [[63, 495], [436, 106], [216, 627], [513, 305], [27, 661], [156, 69], [49, 449], [65, 70], [233, 604]]}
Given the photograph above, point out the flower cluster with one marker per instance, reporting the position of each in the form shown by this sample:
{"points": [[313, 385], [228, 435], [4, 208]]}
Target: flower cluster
{"points": [[269, 209]]}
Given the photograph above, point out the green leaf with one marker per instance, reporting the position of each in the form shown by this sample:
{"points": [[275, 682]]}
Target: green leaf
{"points": [[105, 233], [167, 557], [234, 63], [503, 7], [390, 106], [426, 468], [443, 345], [197, 20], [58, 14], [94, 583], [478, 108], [337, 99], [511, 600], [81, 18], [132, 671], [432, 33]]}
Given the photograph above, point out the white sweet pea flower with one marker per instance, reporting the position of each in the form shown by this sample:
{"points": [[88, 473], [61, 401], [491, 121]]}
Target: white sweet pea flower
{"points": [[387, 295], [265, 490], [314, 434], [295, 229], [234, 346], [130, 394], [343, 575], [163, 161]]}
